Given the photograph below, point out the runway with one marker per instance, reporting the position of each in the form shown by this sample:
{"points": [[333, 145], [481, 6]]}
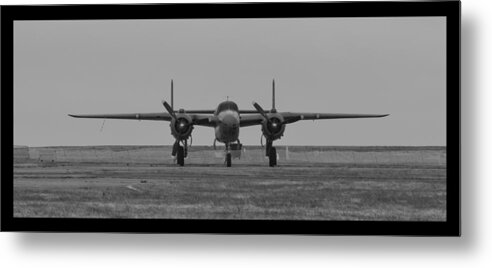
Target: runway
{"points": [[320, 190]]}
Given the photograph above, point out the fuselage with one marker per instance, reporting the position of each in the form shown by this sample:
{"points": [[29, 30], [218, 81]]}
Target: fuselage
{"points": [[227, 127]]}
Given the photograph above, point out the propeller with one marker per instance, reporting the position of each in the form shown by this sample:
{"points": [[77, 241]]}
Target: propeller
{"points": [[182, 125], [169, 109], [273, 123], [260, 110]]}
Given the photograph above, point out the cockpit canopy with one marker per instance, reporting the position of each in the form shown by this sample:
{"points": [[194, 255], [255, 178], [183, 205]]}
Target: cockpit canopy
{"points": [[227, 105]]}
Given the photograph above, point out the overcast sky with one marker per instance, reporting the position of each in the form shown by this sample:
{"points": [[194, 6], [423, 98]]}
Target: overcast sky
{"points": [[333, 65]]}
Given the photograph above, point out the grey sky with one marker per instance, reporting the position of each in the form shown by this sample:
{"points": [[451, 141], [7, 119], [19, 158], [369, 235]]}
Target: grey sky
{"points": [[340, 65]]}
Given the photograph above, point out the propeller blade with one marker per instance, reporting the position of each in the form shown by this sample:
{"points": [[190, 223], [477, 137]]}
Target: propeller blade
{"points": [[169, 109], [260, 110], [273, 95], [172, 94]]}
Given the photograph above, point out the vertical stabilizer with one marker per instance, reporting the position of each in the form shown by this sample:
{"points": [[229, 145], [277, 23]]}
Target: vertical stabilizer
{"points": [[172, 95]]}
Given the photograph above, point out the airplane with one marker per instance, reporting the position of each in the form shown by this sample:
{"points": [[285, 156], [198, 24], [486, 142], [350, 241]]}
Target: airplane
{"points": [[226, 120]]}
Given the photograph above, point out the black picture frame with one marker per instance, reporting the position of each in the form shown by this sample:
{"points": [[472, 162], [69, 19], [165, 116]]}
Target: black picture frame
{"points": [[448, 9]]}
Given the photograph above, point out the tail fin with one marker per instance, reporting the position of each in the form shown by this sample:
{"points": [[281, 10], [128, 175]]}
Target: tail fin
{"points": [[172, 95], [274, 110]]}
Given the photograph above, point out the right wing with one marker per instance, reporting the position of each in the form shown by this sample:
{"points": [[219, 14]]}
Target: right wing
{"points": [[200, 120], [135, 116]]}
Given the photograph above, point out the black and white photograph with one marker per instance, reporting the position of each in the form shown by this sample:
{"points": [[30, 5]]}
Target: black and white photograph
{"points": [[340, 118]]}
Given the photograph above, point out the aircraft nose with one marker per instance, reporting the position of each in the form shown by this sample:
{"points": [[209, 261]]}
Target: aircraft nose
{"points": [[230, 121]]}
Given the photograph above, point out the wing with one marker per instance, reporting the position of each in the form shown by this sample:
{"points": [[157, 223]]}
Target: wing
{"points": [[294, 117], [213, 111], [201, 120], [135, 116], [250, 120], [257, 119]]}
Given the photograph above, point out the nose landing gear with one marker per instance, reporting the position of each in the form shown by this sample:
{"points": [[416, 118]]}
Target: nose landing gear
{"points": [[228, 159], [232, 150]]}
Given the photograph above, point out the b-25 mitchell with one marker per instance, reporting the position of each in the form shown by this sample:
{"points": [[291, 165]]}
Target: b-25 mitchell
{"points": [[226, 119]]}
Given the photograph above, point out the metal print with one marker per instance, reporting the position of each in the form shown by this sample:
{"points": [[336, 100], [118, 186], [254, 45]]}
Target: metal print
{"points": [[263, 121]]}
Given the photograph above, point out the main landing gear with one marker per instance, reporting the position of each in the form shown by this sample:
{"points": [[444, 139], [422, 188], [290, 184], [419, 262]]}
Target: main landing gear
{"points": [[271, 152], [180, 151], [228, 159]]}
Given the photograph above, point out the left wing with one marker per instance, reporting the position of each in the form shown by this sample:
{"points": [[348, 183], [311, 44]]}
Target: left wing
{"points": [[294, 117], [257, 119]]}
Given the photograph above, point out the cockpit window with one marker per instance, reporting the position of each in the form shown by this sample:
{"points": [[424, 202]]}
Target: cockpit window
{"points": [[227, 105]]}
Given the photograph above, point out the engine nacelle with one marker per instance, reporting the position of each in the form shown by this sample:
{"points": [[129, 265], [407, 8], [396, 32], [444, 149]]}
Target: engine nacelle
{"points": [[274, 128], [181, 127]]}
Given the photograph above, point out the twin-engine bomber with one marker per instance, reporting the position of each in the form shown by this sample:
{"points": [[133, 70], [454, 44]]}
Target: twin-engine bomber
{"points": [[227, 119]]}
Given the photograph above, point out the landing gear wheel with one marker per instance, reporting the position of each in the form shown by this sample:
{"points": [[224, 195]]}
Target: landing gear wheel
{"points": [[228, 159], [180, 156], [175, 148], [273, 156]]}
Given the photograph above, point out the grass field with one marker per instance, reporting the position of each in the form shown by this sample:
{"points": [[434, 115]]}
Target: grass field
{"points": [[398, 191]]}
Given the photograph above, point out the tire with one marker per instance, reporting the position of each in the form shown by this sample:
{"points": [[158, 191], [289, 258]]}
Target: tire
{"points": [[175, 149], [180, 156], [273, 157], [228, 159]]}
